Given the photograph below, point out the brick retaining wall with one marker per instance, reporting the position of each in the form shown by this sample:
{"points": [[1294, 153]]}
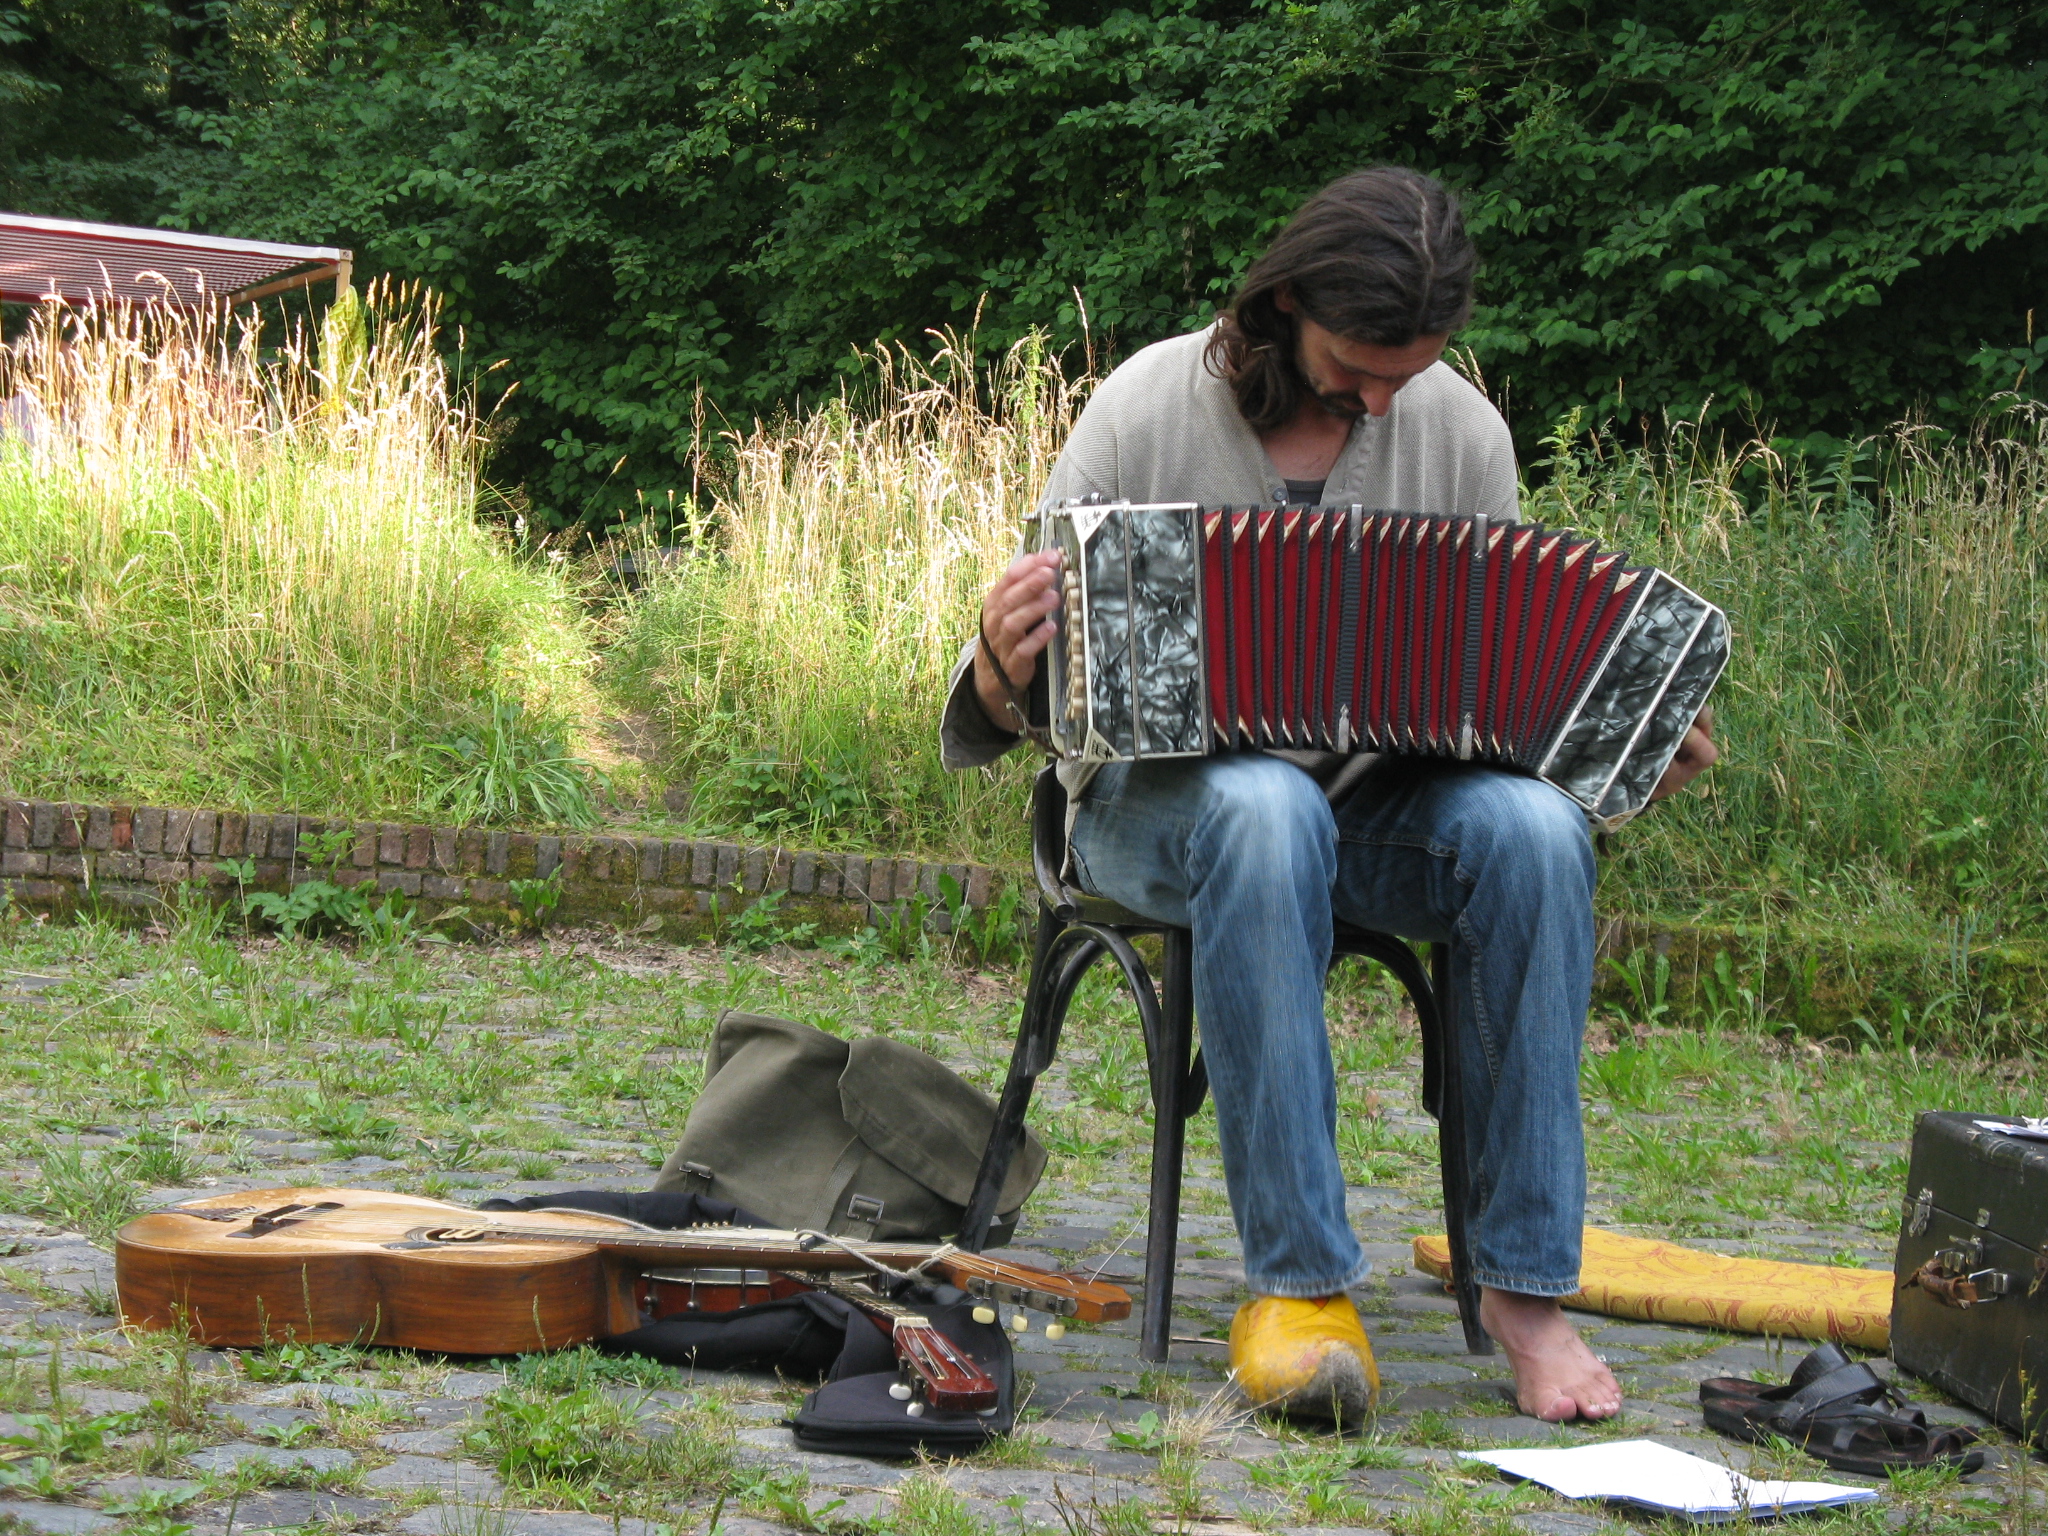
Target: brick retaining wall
{"points": [[58, 858]]}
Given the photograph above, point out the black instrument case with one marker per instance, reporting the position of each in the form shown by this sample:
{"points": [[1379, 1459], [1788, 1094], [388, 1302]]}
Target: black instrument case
{"points": [[1971, 1310]]}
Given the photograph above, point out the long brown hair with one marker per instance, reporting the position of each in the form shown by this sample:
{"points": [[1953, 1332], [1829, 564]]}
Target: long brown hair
{"points": [[1380, 256]]}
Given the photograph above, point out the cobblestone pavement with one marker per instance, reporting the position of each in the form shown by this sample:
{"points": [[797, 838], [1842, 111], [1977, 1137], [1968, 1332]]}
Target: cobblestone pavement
{"points": [[387, 1442]]}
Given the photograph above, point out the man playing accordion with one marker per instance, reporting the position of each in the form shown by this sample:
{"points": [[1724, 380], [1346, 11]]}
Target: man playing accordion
{"points": [[1324, 384]]}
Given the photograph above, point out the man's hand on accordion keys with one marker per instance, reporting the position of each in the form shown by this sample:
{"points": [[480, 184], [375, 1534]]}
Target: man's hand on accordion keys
{"points": [[1696, 754], [1016, 624]]}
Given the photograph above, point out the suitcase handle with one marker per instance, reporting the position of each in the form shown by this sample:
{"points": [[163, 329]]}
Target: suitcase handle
{"points": [[1948, 1278]]}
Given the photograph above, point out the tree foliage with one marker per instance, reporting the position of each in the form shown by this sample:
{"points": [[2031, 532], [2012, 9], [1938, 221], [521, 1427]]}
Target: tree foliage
{"points": [[1817, 214]]}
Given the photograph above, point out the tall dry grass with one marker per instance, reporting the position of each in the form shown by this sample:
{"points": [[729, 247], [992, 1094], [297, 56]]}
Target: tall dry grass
{"points": [[239, 576], [1885, 716], [799, 650]]}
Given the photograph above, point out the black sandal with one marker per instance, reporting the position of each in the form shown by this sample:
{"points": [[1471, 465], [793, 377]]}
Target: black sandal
{"points": [[1823, 1361], [1840, 1411], [1875, 1441], [1748, 1410]]}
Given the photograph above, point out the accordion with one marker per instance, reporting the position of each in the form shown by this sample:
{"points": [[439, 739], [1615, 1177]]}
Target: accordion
{"points": [[1185, 631]]}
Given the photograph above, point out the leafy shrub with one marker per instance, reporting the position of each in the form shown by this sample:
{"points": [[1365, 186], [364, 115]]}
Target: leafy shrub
{"points": [[1816, 213]]}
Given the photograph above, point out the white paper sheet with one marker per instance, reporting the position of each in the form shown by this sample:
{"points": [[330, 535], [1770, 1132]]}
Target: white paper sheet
{"points": [[1653, 1476], [2026, 1127]]}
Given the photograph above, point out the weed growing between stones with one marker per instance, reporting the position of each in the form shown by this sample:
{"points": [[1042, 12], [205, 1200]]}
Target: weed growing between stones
{"points": [[571, 1428], [93, 1197], [1096, 1516], [925, 1506]]}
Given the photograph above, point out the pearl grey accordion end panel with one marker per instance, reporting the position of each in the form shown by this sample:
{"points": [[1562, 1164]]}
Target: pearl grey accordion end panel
{"points": [[1635, 711], [1127, 662]]}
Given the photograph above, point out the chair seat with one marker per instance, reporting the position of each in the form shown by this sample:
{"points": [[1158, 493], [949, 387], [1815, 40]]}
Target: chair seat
{"points": [[1070, 904]]}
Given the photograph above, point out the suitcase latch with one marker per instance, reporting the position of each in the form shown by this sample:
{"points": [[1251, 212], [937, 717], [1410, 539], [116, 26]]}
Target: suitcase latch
{"points": [[1918, 1212]]}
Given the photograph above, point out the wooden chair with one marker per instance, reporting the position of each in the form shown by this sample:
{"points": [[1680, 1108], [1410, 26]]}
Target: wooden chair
{"points": [[1074, 931]]}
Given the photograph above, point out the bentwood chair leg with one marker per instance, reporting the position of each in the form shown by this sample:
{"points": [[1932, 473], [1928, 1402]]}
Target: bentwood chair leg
{"points": [[1028, 1058], [1450, 1135], [1173, 1100]]}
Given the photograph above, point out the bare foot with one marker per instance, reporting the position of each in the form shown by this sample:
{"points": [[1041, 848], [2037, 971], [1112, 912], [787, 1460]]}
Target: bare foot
{"points": [[1556, 1376]]}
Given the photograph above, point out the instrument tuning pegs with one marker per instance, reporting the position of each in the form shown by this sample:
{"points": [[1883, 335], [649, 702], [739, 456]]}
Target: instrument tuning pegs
{"points": [[915, 1410], [984, 1314], [1055, 1330], [1019, 1322], [900, 1390]]}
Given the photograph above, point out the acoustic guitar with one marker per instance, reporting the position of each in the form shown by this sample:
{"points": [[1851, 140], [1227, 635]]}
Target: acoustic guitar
{"points": [[370, 1267]]}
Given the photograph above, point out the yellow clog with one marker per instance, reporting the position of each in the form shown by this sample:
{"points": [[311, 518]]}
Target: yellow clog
{"points": [[1306, 1357]]}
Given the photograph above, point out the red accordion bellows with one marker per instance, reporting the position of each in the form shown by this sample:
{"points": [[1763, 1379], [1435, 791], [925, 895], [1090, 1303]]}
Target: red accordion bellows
{"points": [[1281, 675]]}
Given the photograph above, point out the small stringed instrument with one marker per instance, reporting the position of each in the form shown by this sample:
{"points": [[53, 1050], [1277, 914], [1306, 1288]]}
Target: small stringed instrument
{"points": [[936, 1371], [370, 1267]]}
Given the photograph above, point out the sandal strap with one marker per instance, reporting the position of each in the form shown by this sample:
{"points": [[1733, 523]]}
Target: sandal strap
{"points": [[1824, 1361], [1872, 1429], [1851, 1386], [1818, 1365]]}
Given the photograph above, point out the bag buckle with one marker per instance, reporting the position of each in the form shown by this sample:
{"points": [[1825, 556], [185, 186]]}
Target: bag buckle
{"points": [[863, 1215]]}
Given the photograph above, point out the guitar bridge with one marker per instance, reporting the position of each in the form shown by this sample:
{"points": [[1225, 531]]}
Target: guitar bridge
{"points": [[282, 1216]]}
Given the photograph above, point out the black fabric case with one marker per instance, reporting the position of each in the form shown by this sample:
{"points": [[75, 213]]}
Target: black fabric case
{"points": [[854, 1415], [811, 1334], [1976, 1212]]}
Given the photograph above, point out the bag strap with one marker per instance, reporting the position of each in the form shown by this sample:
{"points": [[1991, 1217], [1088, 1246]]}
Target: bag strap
{"points": [[851, 1213]]}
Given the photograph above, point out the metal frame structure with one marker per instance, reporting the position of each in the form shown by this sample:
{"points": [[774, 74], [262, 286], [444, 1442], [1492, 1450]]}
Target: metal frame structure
{"points": [[78, 263]]}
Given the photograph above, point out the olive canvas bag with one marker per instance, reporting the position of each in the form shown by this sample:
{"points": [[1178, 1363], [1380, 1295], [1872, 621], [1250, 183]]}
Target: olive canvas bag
{"points": [[866, 1138]]}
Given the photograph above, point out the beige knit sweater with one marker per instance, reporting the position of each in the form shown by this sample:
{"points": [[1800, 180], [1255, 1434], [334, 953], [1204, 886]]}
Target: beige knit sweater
{"points": [[1163, 428]]}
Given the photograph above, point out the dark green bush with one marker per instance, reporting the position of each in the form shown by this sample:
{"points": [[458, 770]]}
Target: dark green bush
{"points": [[1817, 214]]}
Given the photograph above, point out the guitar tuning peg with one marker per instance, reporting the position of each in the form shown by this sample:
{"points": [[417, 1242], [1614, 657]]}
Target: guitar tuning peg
{"points": [[1019, 1322], [915, 1410], [900, 1390], [984, 1314], [1055, 1330]]}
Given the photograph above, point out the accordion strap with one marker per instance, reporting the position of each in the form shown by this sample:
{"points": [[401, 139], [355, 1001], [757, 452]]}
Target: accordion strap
{"points": [[1019, 705]]}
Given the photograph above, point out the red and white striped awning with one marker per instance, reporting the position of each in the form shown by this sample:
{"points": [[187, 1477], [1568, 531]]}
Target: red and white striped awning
{"points": [[41, 258]]}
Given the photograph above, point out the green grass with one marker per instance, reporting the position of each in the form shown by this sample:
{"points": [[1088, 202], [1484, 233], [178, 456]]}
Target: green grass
{"points": [[1890, 686], [526, 1052], [580, 1038]]}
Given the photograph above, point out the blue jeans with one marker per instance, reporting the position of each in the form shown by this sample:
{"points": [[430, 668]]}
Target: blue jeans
{"points": [[1245, 851]]}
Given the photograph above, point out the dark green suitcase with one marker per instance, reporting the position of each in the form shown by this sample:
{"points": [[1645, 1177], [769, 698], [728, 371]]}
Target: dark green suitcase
{"points": [[1971, 1310]]}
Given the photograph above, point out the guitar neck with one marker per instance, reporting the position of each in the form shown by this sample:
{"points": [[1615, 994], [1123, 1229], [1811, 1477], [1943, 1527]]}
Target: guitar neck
{"points": [[741, 1247], [754, 1248]]}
